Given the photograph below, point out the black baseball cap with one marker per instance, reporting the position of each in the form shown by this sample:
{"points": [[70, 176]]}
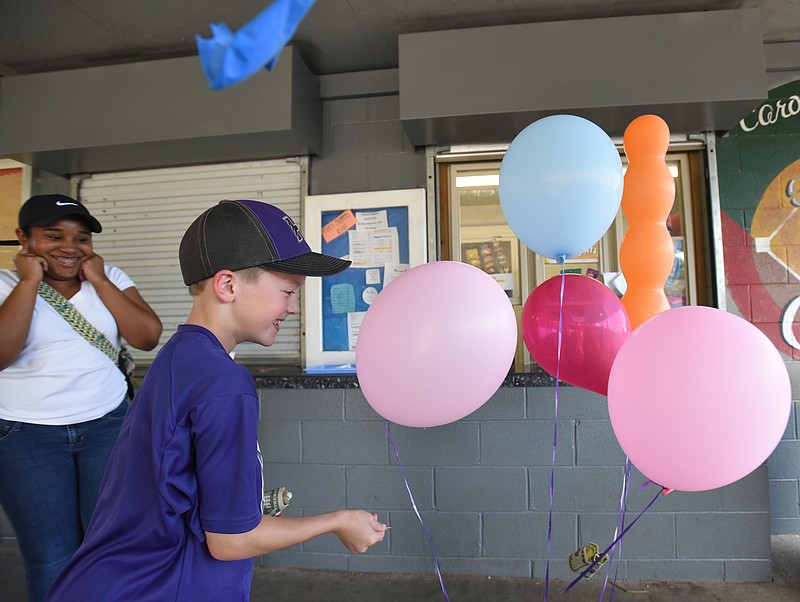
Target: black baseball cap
{"points": [[43, 209], [234, 235]]}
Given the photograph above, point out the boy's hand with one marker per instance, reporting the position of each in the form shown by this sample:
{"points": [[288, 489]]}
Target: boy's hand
{"points": [[359, 530]]}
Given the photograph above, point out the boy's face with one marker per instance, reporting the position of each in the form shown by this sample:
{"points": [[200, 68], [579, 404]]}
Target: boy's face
{"points": [[262, 305]]}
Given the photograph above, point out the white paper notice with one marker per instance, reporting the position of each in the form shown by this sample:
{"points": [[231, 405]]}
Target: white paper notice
{"points": [[392, 271], [354, 320], [385, 247], [374, 248], [372, 220], [369, 294], [506, 281], [359, 248], [616, 282], [373, 276]]}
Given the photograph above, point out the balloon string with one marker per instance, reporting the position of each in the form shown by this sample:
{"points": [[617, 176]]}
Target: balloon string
{"points": [[416, 511], [560, 259], [602, 554], [623, 499]]}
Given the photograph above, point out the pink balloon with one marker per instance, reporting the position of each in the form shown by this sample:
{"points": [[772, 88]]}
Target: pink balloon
{"points": [[436, 344], [698, 398], [594, 327]]}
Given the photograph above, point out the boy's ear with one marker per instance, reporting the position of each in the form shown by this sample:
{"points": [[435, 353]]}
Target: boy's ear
{"points": [[222, 283]]}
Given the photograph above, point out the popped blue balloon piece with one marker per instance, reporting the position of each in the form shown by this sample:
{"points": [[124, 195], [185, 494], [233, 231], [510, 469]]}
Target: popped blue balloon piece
{"points": [[229, 58]]}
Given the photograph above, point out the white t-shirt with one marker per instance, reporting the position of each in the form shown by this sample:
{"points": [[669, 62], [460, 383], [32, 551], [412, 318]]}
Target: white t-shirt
{"points": [[59, 378]]}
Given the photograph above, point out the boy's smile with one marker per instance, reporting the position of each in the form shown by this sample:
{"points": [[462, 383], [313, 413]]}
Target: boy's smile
{"points": [[265, 303]]}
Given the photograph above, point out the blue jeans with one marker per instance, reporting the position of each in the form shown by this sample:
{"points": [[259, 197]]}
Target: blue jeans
{"points": [[49, 481]]}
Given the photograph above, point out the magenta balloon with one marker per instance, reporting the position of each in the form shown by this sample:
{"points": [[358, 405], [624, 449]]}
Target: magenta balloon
{"points": [[436, 344], [698, 398], [594, 327]]}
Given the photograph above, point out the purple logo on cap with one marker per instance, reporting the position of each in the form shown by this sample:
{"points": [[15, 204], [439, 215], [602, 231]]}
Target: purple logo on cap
{"points": [[288, 241], [294, 227]]}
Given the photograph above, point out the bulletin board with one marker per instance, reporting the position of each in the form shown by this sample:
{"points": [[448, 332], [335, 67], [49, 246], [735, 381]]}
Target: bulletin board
{"points": [[384, 234]]}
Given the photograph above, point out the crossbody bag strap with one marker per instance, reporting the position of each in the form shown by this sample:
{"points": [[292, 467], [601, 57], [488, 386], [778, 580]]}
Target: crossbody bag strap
{"points": [[75, 319]]}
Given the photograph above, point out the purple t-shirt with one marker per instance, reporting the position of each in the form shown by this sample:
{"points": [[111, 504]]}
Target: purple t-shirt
{"points": [[186, 462]]}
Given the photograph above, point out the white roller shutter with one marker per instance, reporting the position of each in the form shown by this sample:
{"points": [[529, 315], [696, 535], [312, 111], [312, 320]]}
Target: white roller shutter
{"points": [[145, 213]]}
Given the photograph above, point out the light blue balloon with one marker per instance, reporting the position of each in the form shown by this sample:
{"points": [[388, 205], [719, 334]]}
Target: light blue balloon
{"points": [[561, 185]]}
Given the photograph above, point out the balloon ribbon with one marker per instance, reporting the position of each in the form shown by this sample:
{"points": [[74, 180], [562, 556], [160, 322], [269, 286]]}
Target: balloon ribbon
{"points": [[663, 491], [561, 259], [623, 499], [416, 511]]}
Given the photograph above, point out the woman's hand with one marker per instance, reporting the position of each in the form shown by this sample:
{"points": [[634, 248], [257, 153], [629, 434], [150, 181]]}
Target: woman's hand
{"points": [[16, 311], [92, 269], [30, 267]]}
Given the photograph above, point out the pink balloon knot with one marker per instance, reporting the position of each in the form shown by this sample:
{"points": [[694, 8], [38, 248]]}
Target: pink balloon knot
{"points": [[664, 490]]}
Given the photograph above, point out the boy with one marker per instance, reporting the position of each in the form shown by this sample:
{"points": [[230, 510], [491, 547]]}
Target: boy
{"points": [[179, 515]]}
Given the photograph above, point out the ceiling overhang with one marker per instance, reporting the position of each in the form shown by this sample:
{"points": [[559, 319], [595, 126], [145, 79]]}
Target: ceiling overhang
{"points": [[700, 71], [157, 114]]}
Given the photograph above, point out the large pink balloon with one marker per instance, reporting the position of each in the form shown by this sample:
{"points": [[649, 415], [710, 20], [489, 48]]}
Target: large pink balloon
{"points": [[594, 327], [698, 398], [436, 344]]}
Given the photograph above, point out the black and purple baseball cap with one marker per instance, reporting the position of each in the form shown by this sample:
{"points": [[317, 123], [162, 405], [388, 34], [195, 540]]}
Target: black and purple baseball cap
{"points": [[234, 235]]}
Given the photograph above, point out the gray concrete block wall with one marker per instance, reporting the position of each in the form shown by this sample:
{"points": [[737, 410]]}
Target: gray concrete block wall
{"points": [[784, 468], [482, 488], [365, 148]]}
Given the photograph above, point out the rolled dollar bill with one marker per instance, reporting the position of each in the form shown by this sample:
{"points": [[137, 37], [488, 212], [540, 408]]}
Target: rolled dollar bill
{"points": [[585, 556], [276, 500]]}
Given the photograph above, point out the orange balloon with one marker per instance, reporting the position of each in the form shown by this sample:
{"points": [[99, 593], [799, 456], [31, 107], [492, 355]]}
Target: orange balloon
{"points": [[647, 252], [640, 245]]}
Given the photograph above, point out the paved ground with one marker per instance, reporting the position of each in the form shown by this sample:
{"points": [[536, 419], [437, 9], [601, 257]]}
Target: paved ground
{"points": [[295, 585]]}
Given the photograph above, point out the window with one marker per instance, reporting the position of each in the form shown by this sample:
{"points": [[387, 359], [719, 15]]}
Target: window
{"points": [[475, 231], [479, 232]]}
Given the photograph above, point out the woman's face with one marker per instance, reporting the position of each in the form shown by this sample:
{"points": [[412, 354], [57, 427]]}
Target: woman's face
{"points": [[64, 244]]}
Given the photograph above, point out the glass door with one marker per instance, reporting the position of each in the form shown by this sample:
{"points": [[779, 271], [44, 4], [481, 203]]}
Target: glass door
{"points": [[479, 232]]}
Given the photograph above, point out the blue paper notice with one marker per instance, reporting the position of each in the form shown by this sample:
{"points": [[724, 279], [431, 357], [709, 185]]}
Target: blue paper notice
{"points": [[229, 58], [343, 298]]}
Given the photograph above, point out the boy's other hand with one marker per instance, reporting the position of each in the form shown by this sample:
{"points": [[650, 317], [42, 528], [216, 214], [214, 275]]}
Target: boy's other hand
{"points": [[358, 530]]}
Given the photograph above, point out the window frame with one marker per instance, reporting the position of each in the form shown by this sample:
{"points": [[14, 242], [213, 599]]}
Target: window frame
{"points": [[691, 193]]}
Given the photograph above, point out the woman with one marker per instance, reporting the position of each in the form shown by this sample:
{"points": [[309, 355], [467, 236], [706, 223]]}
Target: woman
{"points": [[62, 400]]}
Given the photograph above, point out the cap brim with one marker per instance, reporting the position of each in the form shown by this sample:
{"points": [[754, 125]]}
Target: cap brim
{"points": [[310, 264], [94, 225]]}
